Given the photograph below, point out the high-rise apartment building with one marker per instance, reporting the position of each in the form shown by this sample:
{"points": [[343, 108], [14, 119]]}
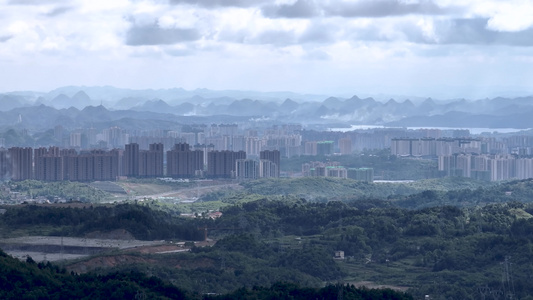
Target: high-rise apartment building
{"points": [[253, 145], [131, 160], [5, 164], [21, 163], [222, 164], [310, 148], [106, 164], [151, 161], [48, 164], [184, 163], [267, 170], [345, 146], [361, 174], [324, 148], [247, 169]]}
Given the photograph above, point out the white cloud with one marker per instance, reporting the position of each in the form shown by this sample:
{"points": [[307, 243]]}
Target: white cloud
{"points": [[512, 17], [260, 44], [508, 15], [428, 29]]}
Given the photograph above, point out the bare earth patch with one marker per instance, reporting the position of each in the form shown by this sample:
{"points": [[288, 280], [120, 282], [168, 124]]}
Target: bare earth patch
{"points": [[373, 285]]}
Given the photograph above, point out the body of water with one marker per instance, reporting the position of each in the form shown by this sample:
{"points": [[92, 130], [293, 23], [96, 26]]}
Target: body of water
{"points": [[472, 130]]}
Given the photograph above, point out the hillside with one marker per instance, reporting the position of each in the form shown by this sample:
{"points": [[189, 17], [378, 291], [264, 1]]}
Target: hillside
{"points": [[290, 240], [447, 238], [67, 105], [327, 188], [31, 280]]}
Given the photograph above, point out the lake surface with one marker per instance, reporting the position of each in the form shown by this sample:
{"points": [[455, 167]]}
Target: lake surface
{"points": [[472, 130]]}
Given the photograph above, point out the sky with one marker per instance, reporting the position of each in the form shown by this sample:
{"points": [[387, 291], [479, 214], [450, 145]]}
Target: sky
{"points": [[426, 48]]}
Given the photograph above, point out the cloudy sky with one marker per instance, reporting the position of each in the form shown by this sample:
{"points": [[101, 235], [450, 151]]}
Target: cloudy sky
{"points": [[439, 48]]}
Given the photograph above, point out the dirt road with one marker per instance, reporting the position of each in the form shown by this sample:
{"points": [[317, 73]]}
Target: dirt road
{"points": [[192, 193]]}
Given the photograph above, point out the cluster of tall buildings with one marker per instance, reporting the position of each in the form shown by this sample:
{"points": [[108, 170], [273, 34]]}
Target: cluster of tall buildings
{"points": [[431, 147], [55, 164], [319, 148], [246, 151], [290, 139], [484, 159], [334, 169], [486, 167], [267, 166]]}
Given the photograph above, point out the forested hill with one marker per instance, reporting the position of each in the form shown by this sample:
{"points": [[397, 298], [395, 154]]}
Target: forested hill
{"points": [[31, 280], [328, 188], [512, 191], [454, 191], [142, 222], [438, 251], [443, 240]]}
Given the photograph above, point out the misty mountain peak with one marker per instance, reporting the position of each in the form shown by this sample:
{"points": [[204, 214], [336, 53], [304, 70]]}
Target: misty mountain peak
{"points": [[288, 105], [408, 103], [61, 97], [95, 109], [81, 97], [333, 102], [428, 101], [391, 102]]}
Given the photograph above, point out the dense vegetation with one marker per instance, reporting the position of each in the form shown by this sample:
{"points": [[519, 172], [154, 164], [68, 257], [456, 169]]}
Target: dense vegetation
{"points": [[31, 280], [513, 191], [453, 241], [70, 191], [328, 188], [438, 251], [293, 291], [454, 191], [142, 222]]}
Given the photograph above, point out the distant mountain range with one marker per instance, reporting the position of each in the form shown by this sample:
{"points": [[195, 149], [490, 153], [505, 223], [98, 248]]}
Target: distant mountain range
{"points": [[75, 107]]}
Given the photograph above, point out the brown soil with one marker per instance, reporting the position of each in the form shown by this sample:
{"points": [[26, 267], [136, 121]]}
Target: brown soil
{"points": [[373, 285], [155, 249], [107, 262]]}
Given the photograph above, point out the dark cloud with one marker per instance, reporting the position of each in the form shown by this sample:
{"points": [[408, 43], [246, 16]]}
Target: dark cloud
{"points": [[362, 8], [58, 11], [300, 9], [382, 8], [445, 32], [220, 3], [475, 32], [155, 35], [5, 38]]}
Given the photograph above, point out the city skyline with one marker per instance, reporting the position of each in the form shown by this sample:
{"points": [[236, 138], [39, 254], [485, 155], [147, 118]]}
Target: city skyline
{"points": [[440, 48]]}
